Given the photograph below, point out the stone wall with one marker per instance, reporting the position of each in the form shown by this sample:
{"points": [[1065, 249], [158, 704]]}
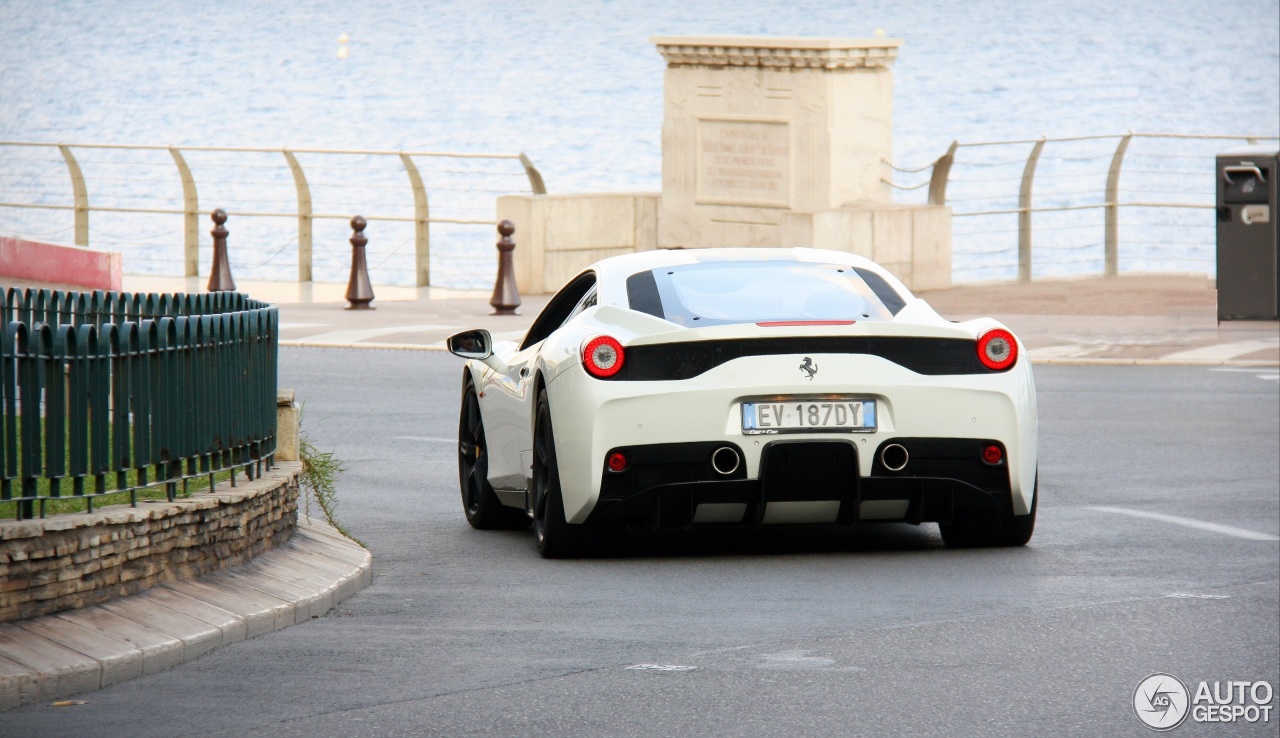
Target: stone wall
{"points": [[559, 235], [755, 127], [766, 142], [911, 241], [81, 559]]}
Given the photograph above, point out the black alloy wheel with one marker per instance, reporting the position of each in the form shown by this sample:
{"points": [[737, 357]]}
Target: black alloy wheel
{"points": [[555, 536], [484, 510]]}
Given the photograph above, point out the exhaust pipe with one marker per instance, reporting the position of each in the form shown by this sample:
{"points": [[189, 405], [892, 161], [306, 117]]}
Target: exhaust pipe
{"points": [[725, 460], [894, 457]]}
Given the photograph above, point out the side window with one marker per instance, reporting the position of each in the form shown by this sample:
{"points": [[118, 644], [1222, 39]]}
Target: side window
{"points": [[559, 308], [891, 299], [588, 300]]}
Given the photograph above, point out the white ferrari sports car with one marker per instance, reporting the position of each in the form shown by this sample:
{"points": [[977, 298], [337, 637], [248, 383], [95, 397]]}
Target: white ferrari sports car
{"points": [[746, 387]]}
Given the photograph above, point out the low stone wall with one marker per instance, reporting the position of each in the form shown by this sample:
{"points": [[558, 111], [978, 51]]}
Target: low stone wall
{"points": [[911, 241], [558, 236], [81, 559]]}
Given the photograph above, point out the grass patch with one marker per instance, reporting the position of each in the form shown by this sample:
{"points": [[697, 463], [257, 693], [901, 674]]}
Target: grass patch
{"points": [[68, 502]]}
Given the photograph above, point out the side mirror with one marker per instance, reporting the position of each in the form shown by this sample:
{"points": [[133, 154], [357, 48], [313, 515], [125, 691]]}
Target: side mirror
{"points": [[476, 344]]}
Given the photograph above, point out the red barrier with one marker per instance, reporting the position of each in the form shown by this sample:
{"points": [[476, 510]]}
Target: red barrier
{"points": [[42, 262]]}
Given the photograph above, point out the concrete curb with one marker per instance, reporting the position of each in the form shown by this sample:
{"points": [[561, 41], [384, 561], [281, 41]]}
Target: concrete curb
{"points": [[51, 657]]}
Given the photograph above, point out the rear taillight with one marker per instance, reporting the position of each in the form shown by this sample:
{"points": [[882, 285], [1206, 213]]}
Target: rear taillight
{"points": [[603, 356], [997, 349]]}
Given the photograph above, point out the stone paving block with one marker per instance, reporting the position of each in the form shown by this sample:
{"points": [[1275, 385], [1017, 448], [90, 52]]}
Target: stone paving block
{"points": [[231, 625], [319, 526], [345, 551], [60, 671], [119, 660], [18, 685], [334, 545], [347, 578], [197, 636], [159, 651], [263, 613], [307, 559], [303, 599], [284, 567], [319, 550]]}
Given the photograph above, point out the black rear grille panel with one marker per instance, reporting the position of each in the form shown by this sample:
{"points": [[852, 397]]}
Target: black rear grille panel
{"points": [[809, 470], [929, 356]]}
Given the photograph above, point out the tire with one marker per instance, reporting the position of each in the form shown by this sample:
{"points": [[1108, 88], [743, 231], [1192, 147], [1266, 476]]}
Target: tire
{"points": [[483, 509], [989, 528], [555, 536]]}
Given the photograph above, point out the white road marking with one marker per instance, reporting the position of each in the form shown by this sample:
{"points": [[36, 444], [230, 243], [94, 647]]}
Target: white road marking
{"points": [[1187, 596], [794, 660], [287, 326], [1223, 351], [427, 439], [660, 667], [1263, 374], [360, 335], [1226, 530]]}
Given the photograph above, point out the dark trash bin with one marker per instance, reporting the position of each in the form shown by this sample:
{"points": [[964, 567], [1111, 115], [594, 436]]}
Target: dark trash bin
{"points": [[1248, 270]]}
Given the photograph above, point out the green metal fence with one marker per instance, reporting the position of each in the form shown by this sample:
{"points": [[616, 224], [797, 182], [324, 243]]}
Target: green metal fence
{"points": [[109, 392]]}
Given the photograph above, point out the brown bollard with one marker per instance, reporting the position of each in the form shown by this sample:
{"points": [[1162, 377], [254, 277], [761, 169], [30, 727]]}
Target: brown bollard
{"points": [[506, 298], [359, 290], [220, 275]]}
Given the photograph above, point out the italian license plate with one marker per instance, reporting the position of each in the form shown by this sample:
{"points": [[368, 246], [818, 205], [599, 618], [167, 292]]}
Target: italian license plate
{"points": [[792, 416]]}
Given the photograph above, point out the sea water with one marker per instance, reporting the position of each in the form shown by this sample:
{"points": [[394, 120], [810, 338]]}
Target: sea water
{"points": [[577, 86]]}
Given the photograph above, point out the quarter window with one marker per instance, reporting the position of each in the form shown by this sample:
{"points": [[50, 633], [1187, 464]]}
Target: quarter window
{"points": [[559, 308]]}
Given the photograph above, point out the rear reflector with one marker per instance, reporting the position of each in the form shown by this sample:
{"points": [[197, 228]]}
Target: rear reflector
{"points": [[992, 454]]}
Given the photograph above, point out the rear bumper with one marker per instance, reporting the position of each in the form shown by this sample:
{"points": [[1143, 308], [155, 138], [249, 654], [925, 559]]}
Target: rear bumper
{"points": [[592, 416], [801, 481]]}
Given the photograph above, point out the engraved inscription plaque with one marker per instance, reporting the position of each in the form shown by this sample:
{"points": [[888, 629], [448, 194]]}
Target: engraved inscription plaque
{"points": [[744, 162]]}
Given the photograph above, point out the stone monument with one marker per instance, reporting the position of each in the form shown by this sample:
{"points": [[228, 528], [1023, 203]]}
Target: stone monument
{"points": [[765, 142]]}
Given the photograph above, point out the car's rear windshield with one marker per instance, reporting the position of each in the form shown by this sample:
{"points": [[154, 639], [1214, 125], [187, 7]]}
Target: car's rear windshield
{"points": [[718, 293]]}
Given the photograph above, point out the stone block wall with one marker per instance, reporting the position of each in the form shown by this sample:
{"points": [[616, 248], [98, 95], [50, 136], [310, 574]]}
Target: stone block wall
{"points": [[911, 241], [558, 236], [766, 142], [756, 127], [81, 559]]}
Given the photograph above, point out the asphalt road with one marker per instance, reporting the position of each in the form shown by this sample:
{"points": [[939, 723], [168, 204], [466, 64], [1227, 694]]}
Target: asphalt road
{"points": [[878, 630]]}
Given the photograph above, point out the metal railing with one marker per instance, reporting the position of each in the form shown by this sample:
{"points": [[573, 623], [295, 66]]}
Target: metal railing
{"points": [[1110, 202], [304, 210], [106, 393]]}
